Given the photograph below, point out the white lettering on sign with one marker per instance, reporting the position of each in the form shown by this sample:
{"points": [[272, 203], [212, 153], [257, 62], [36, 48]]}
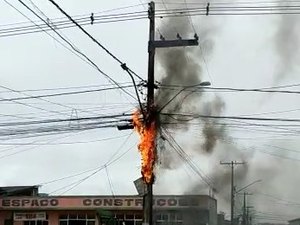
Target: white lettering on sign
{"points": [[29, 216]]}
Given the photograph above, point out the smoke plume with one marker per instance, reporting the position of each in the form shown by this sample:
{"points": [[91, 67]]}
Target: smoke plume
{"points": [[178, 68], [210, 141], [182, 67]]}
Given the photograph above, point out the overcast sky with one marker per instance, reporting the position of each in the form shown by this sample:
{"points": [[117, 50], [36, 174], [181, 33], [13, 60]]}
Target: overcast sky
{"points": [[242, 52]]}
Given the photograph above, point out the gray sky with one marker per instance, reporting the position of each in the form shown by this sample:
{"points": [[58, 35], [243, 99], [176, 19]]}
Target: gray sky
{"points": [[241, 53]]}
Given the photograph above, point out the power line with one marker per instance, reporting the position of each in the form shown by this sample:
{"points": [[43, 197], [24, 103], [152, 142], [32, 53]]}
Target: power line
{"points": [[166, 13], [68, 177], [271, 112], [195, 88], [193, 116], [76, 50], [28, 105], [79, 17], [185, 157], [123, 65], [253, 148], [99, 110], [252, 90], [40, 29], [64, 93], [232, 2], [17, 32], [68, 88], [19, 92], [76, 183], [34, 147], [124, 116], [35, 107], [109, 182], [59, 143], [28, 129]]}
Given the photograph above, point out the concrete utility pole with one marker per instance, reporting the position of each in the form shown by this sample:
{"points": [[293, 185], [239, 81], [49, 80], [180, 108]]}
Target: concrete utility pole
{"points": [[232, 164], [151, 112], [244, 210], [245, 215], [248, 217]]}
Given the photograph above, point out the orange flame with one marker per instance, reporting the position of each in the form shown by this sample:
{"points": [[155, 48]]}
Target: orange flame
{"points": [[146, 146]]}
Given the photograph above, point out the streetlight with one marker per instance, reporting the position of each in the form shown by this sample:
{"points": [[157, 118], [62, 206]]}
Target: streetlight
{"points": [[243, 188], [202, 84]]}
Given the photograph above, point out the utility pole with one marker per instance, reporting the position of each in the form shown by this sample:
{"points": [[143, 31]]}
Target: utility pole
{"points": [[244, 210], [150, 114], [232, 164], [148, 197], [151, 57], [245, 217], [248, 217]]}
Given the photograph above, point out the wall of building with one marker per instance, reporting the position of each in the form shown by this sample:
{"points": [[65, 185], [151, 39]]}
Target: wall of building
{"points": [[180, 210], [294, 222]]}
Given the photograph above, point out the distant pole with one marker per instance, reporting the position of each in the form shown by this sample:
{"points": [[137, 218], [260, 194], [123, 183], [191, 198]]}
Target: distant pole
{"points": [[232, 164], [232, 193], [247, 216], [244, 210]]}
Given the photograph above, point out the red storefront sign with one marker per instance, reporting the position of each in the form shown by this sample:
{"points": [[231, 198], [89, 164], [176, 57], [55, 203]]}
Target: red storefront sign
{"points": [[101, 202]]}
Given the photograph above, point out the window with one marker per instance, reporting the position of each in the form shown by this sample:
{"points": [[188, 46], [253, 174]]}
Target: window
{"points": [[169, 218], [179, 216], [172, 216], [77, 219], [129, 218], [38, 222], [8, 222], [138, 216]]}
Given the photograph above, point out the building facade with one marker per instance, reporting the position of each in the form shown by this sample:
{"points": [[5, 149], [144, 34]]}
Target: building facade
{"points": [[106, 210], [294, 221]]}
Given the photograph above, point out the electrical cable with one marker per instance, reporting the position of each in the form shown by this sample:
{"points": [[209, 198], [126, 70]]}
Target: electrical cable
{"points": [[65, 93], [161, 14], [76, 183], [122, 64], [34, 147], [75, 49], [68, 88], [109, 182], [59, 143], [45, 100], [252, 90], [186, 158], [120, 117], [40, 29]]}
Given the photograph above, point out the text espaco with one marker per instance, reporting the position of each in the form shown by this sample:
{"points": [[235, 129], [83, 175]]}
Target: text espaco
{"points": [[30, 202]]}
